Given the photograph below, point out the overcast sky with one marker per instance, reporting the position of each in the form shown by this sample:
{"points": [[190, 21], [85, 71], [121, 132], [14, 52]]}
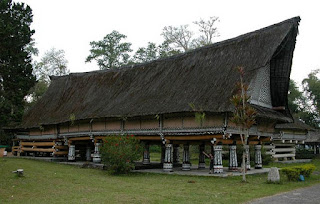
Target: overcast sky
{"points": [[71, 24]]}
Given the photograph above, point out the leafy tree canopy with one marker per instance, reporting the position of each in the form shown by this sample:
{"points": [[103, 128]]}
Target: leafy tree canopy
{"points": [[53, 63], [153, 52], [15, 59], [15, 62], [110, 52]]}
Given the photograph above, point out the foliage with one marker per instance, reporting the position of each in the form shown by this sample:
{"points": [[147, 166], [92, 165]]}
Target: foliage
{"points": [[35, 93], [302, 153], [182, 38], [15, 60], [198, 113], [295, 97], [243, 115], [300, 104], [266, 158], [153, 52], [294, 172], [110, 53], [120, 152], [208, 31], [53, 63]]}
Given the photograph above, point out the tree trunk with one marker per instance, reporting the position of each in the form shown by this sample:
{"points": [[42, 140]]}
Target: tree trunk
{"points": [[244, 165]]}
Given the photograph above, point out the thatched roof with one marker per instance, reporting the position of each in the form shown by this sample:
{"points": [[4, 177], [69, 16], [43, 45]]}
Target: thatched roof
{"points": [[204, 77], [313, 136], [295, 125]]}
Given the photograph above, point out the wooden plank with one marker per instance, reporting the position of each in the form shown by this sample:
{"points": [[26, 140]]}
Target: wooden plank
{"points": [[78, 138], [37, 149], [267, 147], [61, 153], [284, 144], [37, 143], [284, 150], [283, 155], [60, 147]]}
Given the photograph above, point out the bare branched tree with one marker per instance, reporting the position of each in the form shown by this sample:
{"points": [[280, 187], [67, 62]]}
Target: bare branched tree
{"points": [[180, 36], [208, 30]]}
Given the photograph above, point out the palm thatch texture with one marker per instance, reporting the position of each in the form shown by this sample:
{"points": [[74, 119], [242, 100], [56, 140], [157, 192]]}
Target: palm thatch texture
{"points": [[204, 77]]}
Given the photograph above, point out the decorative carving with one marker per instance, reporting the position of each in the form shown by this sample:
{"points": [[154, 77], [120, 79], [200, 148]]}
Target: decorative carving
{"points": [[233, 163], [168, 165], [217, 165], [258, 157]]}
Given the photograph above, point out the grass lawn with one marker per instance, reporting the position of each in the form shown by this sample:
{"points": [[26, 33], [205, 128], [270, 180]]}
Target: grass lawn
{"points": [[46, 182]]}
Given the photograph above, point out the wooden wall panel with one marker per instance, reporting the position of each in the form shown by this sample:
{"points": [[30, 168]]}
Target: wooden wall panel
{"points": [[213, 121], [113, 125], [190, 122], [132, 124], [64, 128], [172, 123], [98, 125], [35, 131], [149, 124], [84, 127]]}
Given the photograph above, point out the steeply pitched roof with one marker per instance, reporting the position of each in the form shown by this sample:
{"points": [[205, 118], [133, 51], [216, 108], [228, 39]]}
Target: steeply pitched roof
{"points": [[295, 125], [204, 77]]}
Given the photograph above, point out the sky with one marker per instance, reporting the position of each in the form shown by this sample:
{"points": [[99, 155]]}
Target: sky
{"points": [[71, 25]]}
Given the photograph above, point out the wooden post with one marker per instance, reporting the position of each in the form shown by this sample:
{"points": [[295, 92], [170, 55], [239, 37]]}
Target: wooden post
{"points": [[176, 154], [88, 153], [202, 163], [72, 153], [96, 155], [186, 158], [146, 154], [168, 164]]}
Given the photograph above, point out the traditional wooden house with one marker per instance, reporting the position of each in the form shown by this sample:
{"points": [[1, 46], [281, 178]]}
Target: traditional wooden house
{"points": [[157, 101]]}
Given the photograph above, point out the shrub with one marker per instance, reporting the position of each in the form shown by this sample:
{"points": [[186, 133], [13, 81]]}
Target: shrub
{"points": [[266, 158], [302, 153], [119, 152], [294, 172]]}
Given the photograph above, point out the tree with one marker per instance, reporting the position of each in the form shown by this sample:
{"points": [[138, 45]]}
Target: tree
{"points": [[110, 53], [243, 116], [182, 38], [53, 63], [153, 52], [311, 109], [208, 31], [15, 60], [295, 98]]}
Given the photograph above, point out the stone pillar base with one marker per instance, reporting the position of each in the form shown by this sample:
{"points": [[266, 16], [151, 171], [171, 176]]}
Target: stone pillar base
{"points": [[258, 166], [202, 166], [233, 168], [146, 161], [96, 158], [186, 167], [167, 167], [217, 169]]}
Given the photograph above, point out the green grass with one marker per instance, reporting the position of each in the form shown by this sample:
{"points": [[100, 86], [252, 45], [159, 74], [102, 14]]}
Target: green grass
{"points": [[46, 182]]}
